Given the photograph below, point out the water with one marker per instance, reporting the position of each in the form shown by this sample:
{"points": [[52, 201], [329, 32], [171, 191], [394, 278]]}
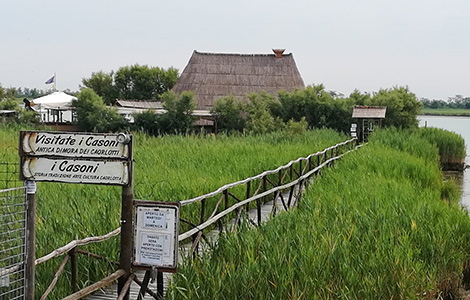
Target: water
{"points": [[460, 125]]}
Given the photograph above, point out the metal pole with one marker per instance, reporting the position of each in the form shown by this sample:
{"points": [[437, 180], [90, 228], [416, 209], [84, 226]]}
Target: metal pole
{"points": [[127, 198], [30, 238], [160, 284]]}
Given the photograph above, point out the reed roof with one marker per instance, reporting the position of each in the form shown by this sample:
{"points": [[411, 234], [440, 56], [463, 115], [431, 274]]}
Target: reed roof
{"points": [[369, 112], [214, 75]]}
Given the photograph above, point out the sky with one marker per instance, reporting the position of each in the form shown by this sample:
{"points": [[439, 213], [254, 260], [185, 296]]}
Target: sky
{"points": [[345, 45]]}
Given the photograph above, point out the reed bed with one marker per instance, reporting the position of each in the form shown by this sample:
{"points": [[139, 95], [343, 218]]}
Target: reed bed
{"points": [[169, 168], [450, 144], [373, 227]]}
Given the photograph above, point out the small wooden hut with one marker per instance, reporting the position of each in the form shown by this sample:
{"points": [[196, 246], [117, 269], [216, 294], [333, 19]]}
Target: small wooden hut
{"points": [[366, 119], [214, 75]]}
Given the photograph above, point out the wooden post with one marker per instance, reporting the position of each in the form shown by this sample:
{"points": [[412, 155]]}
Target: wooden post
{"points": [[248, 191], [74, 269], [226, 198], [127, 198], [201, 220], [30, 238], [258, 202]]}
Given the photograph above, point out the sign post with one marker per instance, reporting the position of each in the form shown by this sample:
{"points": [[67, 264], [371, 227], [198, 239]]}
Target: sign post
{"points": [[88, 158], [30, 269], [125, 254], [156, 230]]}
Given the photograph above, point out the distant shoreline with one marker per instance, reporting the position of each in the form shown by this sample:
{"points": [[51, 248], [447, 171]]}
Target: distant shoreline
{"points": [[445, 112]]}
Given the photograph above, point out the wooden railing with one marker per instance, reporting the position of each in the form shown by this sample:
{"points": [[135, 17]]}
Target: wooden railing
{"points": [[285, 183], [70, 251]]}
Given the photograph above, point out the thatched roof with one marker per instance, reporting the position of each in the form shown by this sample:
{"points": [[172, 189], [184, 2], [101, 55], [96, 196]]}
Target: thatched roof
{"points": [[214, 75], [369, 112]]}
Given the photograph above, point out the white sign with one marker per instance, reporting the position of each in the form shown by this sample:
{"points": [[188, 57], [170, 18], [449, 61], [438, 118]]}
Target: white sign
{"points": [[76, 171], [68, 144], [4, 279], [156, 235]]}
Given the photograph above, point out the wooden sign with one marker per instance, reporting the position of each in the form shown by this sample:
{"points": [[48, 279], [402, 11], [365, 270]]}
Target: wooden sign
{"points": [[76, 170], [69, 144], [93, 158], [156, 227]]}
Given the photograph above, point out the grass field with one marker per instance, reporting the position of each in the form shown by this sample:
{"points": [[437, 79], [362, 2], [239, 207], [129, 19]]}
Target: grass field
{"points": [[169, 168], [445, 112], [381, 224]]}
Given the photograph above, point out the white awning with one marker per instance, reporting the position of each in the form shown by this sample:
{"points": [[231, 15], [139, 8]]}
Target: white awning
{"points": [[56, 100]]}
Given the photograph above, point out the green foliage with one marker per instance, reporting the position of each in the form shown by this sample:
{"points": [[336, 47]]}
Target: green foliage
{"points": [[317, 106], [402, 107], [456, 102], [259, 119], [102, 84], [293, 127], [132, 82], [450, 144], [229, 114], [179, 111], [178, 117], [8, 104], [374, 227], [26, 116], [93, 115], [148, 122], [23, 116]]}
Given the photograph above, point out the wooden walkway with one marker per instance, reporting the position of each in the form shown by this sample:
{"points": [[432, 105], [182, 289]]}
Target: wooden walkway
{"points": [[111, 292]]}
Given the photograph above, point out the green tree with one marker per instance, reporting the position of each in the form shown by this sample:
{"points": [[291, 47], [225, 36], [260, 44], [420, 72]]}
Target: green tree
{"points": [[102, 84], [148, 122], [259, 119], [402, 107], [179, 112], [229, 114], [134, 82], [297, 128], [93, 115], [8, 104], [144, 82], [2, 92]]}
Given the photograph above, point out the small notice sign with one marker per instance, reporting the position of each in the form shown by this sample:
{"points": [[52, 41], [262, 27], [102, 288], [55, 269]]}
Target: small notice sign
{"points": [[156, 226]]}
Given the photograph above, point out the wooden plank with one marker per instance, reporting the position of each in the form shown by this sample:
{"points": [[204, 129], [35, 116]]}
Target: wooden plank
{"points": [[56, 277], [96, 286]]}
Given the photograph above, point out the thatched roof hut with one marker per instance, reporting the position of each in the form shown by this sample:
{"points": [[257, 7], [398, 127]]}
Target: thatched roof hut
{"points": [[214, 75]]}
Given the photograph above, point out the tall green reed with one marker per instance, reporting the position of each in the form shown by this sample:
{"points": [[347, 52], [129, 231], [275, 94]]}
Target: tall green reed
{"points": [[374, 227], [169, 168]]}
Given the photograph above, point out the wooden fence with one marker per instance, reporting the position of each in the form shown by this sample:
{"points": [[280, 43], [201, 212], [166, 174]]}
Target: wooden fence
{"points": [[229, 202]]}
